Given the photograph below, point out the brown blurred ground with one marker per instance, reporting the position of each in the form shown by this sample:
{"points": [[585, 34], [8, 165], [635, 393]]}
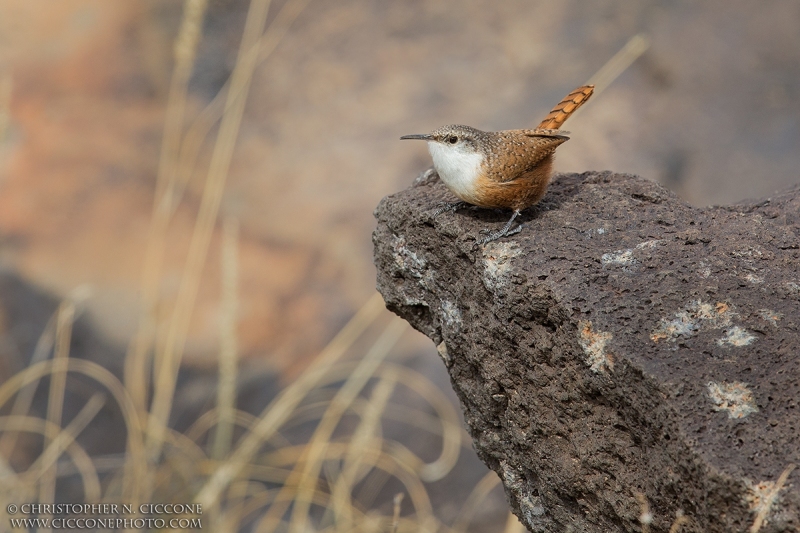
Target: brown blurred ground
{"points": [[710, 111]]}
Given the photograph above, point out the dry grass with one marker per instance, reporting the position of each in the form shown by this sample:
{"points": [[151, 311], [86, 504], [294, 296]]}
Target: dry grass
{"points": [[241, 468], [259, 480]]}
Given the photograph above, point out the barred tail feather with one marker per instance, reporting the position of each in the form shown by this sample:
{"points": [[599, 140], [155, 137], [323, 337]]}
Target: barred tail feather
{"points": [[566, 107]]}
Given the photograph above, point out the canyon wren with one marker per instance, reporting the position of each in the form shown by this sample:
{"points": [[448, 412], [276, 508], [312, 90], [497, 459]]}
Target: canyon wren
{"points": [[501, 169]]}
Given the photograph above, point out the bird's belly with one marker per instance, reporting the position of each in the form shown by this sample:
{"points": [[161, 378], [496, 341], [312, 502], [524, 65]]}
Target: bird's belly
{"points": [[461, 172]]}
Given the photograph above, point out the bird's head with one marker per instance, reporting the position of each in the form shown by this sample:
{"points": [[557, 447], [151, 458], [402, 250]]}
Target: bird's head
{"points": [[453, 139]]}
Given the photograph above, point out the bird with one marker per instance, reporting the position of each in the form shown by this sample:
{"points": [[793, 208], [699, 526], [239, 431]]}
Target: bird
{"points": [[507, 169]]}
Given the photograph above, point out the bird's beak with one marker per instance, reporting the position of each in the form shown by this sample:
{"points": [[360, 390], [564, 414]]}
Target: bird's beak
{"points": [[420, 136]]}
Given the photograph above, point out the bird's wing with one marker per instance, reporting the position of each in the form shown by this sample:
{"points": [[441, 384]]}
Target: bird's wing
{"points": [[540, 132], [544, 143], [538, 145]]}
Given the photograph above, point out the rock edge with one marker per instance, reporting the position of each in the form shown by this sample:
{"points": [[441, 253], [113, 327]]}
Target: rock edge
{"points": [[623, 344]]}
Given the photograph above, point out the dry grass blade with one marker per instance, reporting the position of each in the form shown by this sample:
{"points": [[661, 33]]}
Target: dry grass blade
{"points": [[182, 465], [64, 438], [238, 497], [168, 359], [210, 418], [283, 21], [280, 409], [764, 509], [24, 399], [471, 505], [362, 437], [635, 47], [306, 473], [228, 358], [84, 466], [58, 384], [135, 464], [174, 170], [193, 140], [398, 500], [136, 363], [374, 457], [447, 416], [184, 52]]}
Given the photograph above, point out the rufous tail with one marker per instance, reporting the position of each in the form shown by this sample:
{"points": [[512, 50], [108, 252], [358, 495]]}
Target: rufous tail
{"points": [[566, 107]]}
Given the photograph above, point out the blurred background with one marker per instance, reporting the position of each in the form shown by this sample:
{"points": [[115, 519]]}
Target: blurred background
{"points": [[184, 179]]}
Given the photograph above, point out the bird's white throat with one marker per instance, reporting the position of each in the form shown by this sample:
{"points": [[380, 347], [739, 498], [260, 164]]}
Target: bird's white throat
{"points": [[458, 168]]}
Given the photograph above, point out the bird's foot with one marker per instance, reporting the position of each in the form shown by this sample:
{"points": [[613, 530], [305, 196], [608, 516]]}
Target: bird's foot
{"points": [[505, 232], [498, 234], [450, 207]]}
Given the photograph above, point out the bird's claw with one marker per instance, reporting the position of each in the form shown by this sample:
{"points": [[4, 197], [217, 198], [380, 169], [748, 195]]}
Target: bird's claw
{"points": [[497, 234], [451, 207], [515, 230]]}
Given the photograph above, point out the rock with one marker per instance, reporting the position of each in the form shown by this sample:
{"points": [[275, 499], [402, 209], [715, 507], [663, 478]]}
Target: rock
{"points": [[625, 358]]}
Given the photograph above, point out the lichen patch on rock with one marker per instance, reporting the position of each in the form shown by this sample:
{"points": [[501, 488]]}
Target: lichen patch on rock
{"points": [[735, 398], [653, 243], [497, 263], [792, 287], [619, 257], [736, 336], [451, 314], [594, 344], [692, 318], [406, 259], [626, 258], [768, 315], [754, 279]]}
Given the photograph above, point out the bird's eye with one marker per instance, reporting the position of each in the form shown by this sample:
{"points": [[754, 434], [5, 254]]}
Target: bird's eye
{"points": [[452, 139]]}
